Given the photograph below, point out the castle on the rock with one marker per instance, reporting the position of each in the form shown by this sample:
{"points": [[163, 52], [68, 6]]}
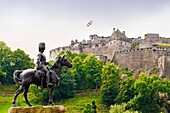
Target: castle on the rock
{"points": [[150, 52]]}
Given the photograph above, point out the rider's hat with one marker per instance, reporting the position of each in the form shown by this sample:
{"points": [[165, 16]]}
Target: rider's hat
{"points": [[41, 45]]}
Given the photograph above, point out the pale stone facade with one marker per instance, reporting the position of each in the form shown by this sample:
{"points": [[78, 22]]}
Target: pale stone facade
{"points": [[133, 53]]}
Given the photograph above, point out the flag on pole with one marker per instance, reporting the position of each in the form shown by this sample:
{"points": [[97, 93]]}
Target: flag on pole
{"points": [[89, 23]]}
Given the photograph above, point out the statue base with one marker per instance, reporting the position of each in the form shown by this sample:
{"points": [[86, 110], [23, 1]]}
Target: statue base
{"points": [[38, 109]]}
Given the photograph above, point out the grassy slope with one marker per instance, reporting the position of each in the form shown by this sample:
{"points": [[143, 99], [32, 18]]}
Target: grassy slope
{"points": [[6, 96], [73, 105], [78, 103], [7, 89]]}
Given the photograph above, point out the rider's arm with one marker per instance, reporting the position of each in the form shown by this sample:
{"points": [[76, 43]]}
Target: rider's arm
{"points": [[47, 63]]}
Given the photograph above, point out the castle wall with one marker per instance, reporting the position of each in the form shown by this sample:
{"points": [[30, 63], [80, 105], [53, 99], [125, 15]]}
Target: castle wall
{"points": [[99, 39], [164, 65], [149, 41], [97, 50], [139, 59], [117, 49]]}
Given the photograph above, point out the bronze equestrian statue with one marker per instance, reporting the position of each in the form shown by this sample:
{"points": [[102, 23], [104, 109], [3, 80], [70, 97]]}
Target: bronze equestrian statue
{"points": [[38, 77]]}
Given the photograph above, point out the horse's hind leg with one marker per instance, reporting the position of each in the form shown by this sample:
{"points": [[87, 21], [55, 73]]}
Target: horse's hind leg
{"points": [[21, 88], [25, 95], [51, 95]]}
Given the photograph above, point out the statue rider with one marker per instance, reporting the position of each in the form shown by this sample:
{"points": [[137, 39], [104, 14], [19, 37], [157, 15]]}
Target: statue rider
{"points": [[41, 63]]}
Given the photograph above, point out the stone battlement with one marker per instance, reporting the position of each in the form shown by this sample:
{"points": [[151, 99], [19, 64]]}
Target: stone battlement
{"points": [[141, 49]]}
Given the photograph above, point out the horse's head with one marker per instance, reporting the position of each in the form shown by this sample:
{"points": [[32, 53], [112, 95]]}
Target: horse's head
{"points": [[62, 61]]}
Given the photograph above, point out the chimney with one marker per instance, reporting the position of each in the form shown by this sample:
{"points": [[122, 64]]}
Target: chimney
{"points": [[72, 42], [124, 32], [113, 29]]}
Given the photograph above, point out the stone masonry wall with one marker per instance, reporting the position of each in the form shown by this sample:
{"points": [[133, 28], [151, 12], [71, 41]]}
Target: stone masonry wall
{"points": [[166, 64], [138, 59]]}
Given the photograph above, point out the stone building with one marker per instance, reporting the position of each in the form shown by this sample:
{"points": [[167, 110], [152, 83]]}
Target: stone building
{"points": [[133, 53]]}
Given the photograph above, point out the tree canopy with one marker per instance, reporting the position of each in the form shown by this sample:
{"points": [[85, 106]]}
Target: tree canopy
{"points": [[10, 61]]}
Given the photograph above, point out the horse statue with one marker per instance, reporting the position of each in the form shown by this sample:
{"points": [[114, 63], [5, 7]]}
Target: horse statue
{"points": [[32, 76]]}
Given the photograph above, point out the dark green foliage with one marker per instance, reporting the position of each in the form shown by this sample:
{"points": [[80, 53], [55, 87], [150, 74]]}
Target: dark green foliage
{"points": [[78, 73], [141, 94], [110, 83], [37, 95], [90, 108], [126, 71], [86, 70], [66, 86], [147, 89], [5, 55], [92, 69], [126, 90], [10, 61]]}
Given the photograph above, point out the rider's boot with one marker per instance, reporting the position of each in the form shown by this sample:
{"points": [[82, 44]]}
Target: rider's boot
{"points": [[49, 84]]}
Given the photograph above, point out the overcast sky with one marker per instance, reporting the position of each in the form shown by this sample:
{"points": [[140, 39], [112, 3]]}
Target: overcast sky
{"points": [[25, 23]]}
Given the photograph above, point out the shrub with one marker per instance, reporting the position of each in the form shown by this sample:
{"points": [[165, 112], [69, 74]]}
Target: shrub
{"points": [[120, 109]]}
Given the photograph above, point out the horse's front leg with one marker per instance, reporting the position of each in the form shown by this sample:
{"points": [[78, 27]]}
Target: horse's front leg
{"points": [[51, 95], [25, 95], [21, 88]]}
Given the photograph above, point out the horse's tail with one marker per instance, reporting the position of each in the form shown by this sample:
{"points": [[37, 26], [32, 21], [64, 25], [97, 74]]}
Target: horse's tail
{"points": [[16, 76]]}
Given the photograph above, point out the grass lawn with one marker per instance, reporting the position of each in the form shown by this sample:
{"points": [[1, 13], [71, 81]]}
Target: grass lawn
{"points": [[6, 102], [73, 105], [6, 89], [78, 103], [6, 97]]}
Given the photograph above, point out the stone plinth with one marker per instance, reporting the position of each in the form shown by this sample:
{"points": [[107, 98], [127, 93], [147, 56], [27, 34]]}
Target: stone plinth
{"points": [[37, 109]]}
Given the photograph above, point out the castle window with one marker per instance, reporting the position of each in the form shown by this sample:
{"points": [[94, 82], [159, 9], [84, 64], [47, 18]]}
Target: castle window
{"points": [[125, 43], [96, 45]]}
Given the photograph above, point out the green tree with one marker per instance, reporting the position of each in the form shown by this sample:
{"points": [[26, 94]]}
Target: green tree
{"points": [[120, 109], [10, 61], [66, 86], [110, 83], [126, 90], [147, 89], [86, 70], [5, 55], [78, 73], [19, 60], [37, 95], [126, 71], [93, 69]]}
